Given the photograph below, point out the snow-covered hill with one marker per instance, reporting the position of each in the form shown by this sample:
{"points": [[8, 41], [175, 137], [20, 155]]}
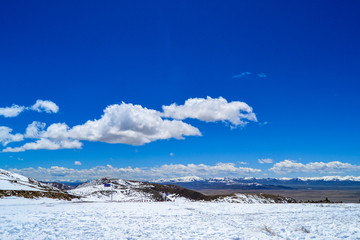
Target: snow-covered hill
{"points": [[117, 190], [13, 184], [14, 181]]}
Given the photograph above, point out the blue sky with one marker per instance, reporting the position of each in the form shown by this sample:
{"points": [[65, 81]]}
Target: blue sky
{"points": [[294, 63]]}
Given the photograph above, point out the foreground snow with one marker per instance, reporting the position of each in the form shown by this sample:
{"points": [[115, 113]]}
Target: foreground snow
{"points": [[54, 219]]}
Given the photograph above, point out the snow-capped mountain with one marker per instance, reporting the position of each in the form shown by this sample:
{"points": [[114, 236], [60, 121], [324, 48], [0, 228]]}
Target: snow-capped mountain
{"points": [[180, 179], [252, 179], [249, 183]]}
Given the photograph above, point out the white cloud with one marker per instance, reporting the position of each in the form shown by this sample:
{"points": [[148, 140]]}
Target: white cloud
{"points": [[77, 163], [265, 160], [171, 154], [290, 166], [35, 129], [45, 106], [48, 144], [134, 124], [56, 173], [124, 123], [212, 110], [39, 106], [6, 136], [131, 124], [12, 111]]}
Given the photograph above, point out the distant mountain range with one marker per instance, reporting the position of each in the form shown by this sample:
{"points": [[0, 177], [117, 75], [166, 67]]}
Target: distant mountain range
{"points": [[249, 183]]}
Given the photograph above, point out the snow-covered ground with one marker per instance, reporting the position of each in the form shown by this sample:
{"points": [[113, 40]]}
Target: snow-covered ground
{"points": [[53, 219]]}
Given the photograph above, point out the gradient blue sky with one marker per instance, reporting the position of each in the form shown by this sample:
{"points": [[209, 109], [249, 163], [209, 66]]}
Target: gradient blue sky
{"points": [[87, 55]]}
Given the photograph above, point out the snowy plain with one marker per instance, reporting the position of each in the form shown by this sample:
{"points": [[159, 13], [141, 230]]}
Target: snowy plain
{"points": [[54, 219]]}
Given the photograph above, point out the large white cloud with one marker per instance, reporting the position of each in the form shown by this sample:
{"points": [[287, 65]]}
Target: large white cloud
{"points": [[290, 166], [56, 173], [6, 136], [40, 106], [133, 124], [212, 110]]}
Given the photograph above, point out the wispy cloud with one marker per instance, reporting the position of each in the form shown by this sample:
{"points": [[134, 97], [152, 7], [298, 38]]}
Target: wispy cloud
{"points": [[242, 75], [265, 160], [261, 75], [250, 75], [291, 166], [56, 173], [39, 106], [136, 125]]}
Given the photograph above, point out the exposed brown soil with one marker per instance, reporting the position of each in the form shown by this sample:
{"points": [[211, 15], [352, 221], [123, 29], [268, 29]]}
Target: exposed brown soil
{"points": [[36, 194]]}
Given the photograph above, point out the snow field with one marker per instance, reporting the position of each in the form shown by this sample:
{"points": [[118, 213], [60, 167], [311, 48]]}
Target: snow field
{"points": [[53, 219]]}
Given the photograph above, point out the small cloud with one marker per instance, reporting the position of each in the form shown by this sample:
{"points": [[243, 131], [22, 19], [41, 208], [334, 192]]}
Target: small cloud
{"points": [[20, 159], [261, 75], [242, 75], [171, 154], [263, 123], [39, 106], [250, 75], [78, 163], [265, 160], [45, 106], [242, 163]]}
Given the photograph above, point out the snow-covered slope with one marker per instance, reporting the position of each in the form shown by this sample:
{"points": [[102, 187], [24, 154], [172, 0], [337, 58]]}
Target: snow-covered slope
{"points": [[253, 198], [119, 190], [16, 185], [14, 181]]}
